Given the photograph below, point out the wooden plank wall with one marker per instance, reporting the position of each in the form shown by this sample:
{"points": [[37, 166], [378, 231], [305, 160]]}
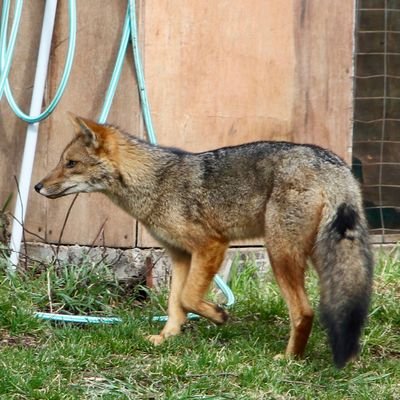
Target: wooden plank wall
{"points": [[323, 101], [236, 71], [12, 130], [218, 73], [98, 38]]}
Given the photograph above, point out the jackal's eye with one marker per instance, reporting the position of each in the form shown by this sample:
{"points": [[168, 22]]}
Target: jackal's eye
{"points": [[70, 164]]}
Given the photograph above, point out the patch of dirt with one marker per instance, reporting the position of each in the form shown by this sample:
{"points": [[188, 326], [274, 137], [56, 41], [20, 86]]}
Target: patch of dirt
{"points": [[21, 340], [383, 352]]}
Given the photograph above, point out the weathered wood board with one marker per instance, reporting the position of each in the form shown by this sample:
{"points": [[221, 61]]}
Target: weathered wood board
{"points": [[229, 72], [13, 130], [323, 98]]}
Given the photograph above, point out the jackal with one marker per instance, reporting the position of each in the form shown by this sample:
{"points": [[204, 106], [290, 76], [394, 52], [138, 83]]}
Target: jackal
{"points": [[302, 199]]}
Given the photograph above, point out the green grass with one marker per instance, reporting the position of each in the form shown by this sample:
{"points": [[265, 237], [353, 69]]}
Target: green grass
{"points": [[40, 360]]}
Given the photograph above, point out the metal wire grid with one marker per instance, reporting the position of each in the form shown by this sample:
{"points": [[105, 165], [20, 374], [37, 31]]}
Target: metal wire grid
{"points": [[387, 79]]}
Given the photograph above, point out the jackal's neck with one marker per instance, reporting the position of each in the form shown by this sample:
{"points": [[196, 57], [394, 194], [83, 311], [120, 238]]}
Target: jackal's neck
{"points": [[137, 168]]}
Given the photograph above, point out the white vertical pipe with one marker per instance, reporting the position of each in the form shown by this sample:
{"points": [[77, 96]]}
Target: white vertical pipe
{"points": [[32, 132]]}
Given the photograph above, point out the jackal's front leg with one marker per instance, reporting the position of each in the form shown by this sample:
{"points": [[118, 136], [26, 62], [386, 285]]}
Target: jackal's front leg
{"points": [[205, 264], [176, 313]]}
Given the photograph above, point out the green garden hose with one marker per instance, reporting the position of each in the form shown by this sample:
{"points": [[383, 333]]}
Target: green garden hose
{"points": [[7, 51]]}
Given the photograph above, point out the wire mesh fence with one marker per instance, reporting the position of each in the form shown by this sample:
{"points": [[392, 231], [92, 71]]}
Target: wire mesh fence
{"points": [[376, 140]]}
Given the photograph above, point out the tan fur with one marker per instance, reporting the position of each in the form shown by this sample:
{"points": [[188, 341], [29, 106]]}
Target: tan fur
{"points": [[302, 199]]}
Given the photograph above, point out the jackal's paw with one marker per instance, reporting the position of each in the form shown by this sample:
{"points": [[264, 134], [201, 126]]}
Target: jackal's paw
{"points": [[156, 339], [221, 316]]}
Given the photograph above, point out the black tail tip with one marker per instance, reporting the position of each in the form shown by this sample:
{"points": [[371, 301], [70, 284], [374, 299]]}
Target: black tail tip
{"points": [[345, 348], [341, 359], [344, 332]]}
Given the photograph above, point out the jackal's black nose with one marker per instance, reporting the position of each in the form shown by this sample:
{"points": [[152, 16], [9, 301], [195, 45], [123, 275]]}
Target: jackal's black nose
{"points": [[38, 186]]}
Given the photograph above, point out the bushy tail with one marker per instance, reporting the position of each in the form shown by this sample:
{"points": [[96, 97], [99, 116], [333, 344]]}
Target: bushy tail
{"points": [[344, 262]]}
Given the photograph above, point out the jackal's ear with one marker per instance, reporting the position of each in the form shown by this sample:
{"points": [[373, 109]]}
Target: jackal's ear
{"points": [[87, 128]]}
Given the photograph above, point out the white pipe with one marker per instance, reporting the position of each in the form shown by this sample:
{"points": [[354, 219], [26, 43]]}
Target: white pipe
{"points": [[32, 132]]}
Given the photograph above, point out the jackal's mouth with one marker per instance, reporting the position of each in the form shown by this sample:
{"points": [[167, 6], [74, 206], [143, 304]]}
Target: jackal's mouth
{"points": [[64, 192]]}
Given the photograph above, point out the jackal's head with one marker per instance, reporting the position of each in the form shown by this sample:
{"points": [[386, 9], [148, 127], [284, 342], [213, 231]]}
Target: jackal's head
{"points": [[85, 164]]}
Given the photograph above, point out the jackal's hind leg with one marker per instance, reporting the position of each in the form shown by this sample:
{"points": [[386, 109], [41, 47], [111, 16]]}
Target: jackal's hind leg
{"points": [[289, 273], [291, 222], [176, 313]]}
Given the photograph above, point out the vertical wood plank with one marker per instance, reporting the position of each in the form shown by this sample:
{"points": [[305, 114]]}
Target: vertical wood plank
{"points": [[221, 69], [229, 72], [219, 73], [12, 129], [99, 31], [323, 104]]}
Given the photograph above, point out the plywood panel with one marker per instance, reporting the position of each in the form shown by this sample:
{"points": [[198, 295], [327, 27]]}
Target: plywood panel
{"points": [[219, 73], [99, 30], [214, 70], [228, 72], [323, 107], [12, 129]]}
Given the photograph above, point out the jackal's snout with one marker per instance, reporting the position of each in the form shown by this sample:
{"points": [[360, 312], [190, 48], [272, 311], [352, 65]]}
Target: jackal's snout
{"points": [[38, 186]]}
